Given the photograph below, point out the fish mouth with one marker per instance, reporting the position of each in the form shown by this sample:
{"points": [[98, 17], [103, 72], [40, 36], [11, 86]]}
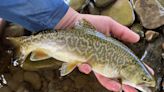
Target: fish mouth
{"points": [[151, 84]]}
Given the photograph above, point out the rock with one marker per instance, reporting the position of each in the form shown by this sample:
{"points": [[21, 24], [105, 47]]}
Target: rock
{"points": [[161, 2], [92, 9], [22, 88], [5, 89], [49, 75], [14, 30], [77, 4], [150, 12], [121, 11], [103, 3], [18, 76], [33, 78], [163, 55], [163, 46], [151, 35], [137, 28], [2, 24], [162, 85]]}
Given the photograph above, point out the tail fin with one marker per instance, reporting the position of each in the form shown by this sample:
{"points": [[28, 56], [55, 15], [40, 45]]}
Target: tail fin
{"points": [[16, 43]]}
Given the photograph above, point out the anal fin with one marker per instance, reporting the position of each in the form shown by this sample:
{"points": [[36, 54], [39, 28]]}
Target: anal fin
{"points": [[67, 68]]}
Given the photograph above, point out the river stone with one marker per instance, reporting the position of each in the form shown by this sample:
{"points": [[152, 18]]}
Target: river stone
{"points": [[151, 35], [121, 11], [77, 4], [150, 12], [5, 89], [137, 28], [93, 10], [103, 3], [33, 78], [163, 45], [14, 30], [2, 23]]}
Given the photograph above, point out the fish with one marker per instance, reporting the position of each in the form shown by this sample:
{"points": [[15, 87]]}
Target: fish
{"points": [[83, 44]]}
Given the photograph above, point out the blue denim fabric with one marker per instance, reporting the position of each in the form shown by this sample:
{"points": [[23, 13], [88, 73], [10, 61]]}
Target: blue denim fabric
{"points": [[34, 15]]}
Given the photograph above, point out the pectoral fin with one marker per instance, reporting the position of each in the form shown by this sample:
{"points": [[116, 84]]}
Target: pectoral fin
{"points": [[38, 55], [67, 68]]}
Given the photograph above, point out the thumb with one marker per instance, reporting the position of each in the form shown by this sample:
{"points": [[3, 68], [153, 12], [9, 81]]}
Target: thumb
{"points": [[85, 68]]}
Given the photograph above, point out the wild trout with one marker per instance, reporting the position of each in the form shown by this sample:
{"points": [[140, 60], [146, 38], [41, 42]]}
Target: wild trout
{"points": [[83, 44]]}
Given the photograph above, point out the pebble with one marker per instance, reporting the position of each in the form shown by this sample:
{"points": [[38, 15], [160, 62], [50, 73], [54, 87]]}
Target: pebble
{"points": [[5, 89], [33, 78], [14, 30], [22, 88], [163, 55], [163, 85], [119, 12], [151, 35], [150, 12], [2, 23], [92, 9], [103, 3], [137, 28], [18, 76], [163, 46]]}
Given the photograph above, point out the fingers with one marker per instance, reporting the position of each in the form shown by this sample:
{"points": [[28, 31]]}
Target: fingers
{"points": [[85, 68], [122, 32], [106, 25], [108, 83]]}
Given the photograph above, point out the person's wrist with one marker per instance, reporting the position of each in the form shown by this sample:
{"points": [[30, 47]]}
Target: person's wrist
{"points": [[68, 20]]}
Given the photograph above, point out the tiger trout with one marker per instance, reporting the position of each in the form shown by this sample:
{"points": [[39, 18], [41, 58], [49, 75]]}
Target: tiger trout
{"points": [[83, 44]]}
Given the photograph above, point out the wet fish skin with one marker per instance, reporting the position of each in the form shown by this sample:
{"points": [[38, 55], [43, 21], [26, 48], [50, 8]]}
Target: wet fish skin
{"points": [[105, 55]]}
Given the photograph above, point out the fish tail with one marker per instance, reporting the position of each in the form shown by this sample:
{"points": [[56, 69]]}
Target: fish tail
{"points": [[16, 43]]}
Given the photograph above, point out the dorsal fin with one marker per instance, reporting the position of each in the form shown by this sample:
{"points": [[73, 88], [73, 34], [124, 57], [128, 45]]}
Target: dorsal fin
{"points": [[84, 24]]}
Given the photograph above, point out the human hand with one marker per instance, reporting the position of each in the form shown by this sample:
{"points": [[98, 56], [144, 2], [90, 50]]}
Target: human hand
{"points": [[107, 26], [109, 83], [103, 24]]}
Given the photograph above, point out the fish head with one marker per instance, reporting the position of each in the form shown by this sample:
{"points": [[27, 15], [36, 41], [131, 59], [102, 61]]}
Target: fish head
{"points": [[143, 79], [138, 76]]}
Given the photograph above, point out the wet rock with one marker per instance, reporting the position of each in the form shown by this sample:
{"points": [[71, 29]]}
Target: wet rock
{"points": [[151, 35], [153, 59], [162, 85], [2, 24], [163, 46], [33, 78], [49, 75], [77, 4], [161, 2], [119, 12], [22, 88], [103, 3], [92, 9], [5, 89], [151, 13], [163, 55], [14, 30], [18, 76], [13, 84], [137, 28]]}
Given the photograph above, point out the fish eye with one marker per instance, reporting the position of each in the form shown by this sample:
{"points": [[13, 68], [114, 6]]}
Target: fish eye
{"points": [[144, 78]]}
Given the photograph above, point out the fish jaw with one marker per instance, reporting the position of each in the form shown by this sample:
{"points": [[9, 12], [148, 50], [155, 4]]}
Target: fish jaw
{"points": [[139, 87]]}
